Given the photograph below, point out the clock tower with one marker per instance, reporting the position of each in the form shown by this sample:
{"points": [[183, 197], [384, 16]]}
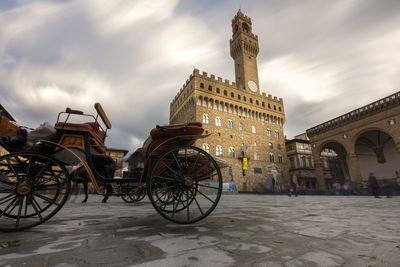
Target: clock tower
{"points": [[244, 51]]}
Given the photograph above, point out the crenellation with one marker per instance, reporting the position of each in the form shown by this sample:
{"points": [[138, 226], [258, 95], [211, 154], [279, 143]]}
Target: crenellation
{"points": [[264, 94], [220, 79], [227, 82], [196, 72], [205, 74], [212, 76]]}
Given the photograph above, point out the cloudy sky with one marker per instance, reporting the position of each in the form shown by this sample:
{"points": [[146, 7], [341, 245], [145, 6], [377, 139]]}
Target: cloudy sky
{"points": [[324, 58]]}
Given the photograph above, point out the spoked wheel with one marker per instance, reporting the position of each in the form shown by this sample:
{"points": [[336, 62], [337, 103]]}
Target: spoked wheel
{"points": [[33, 188], [184, 185], [134, 194]]}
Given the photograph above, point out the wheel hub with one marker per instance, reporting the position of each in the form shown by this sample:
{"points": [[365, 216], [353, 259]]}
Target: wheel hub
{"points": [[188, 181], [24, 189]]}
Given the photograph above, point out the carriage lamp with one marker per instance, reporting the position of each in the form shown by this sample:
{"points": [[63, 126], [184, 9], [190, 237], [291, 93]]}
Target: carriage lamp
{"points": [[345, 136], [392, 121]]}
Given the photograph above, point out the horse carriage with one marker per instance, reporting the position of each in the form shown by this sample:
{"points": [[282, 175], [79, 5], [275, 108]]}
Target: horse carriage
{"points": [[182, 182]]}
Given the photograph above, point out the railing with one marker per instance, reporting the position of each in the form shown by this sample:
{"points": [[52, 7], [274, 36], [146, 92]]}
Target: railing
{"points": [[356, 114]]}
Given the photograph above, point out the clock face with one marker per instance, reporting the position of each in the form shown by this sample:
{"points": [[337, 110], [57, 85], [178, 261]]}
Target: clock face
{"points": [[252, 86]]}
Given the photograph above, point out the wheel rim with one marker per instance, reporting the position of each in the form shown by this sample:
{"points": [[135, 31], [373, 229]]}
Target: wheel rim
{"points": [[33, 187], [185, 185], [134, 194]]}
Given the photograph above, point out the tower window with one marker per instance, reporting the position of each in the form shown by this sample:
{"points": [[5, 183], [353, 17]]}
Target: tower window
{"points": [[269, 105], [231, 152], [230, 124], [217, 90], [239, 97], [257, 102], [245, 27], [202, 85], [263, 104], [251, 100], [232, 95], [244, 98], [218, 121], [206, 148], [206, 119], [219, 151], [210, 88], [225, 92], [274, 107], [279, 108]]}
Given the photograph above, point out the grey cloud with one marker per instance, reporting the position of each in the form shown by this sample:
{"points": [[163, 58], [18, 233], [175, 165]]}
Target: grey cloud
{"points": [[334, 49]]}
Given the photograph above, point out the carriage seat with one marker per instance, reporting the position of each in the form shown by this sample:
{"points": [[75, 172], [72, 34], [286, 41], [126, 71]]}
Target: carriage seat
{"points": [[161, 133], [91, 127], [173, 130]]}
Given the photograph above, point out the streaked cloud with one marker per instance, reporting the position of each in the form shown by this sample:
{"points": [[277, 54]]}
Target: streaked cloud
{"points": [[323, 57]]}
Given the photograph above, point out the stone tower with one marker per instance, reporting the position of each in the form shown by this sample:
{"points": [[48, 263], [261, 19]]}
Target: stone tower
{"points": [[244, 123], [244, 51]]}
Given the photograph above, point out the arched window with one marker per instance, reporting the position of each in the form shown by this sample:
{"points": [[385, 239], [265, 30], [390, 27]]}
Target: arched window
{"points": [[219, 151], [218, 121], [280, 159], [253, 129], [271, 157], [270, 145], [202, 85], [225, 92], [269, 132], [206, 119], [276, 134], [244, 98], [232, 95], [210, 88], [239, 97], [231, 152], [257, 103], [241, 127], [217, 90], [245, 27], [251, 100], [206, 148], [230, 124]]}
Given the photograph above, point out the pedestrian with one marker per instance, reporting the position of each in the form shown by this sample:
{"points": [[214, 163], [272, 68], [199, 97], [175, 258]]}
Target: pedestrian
{"points": [[373, 185]]}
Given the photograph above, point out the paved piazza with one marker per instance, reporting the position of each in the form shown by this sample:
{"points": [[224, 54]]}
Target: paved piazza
{"points": [[244, 230]]}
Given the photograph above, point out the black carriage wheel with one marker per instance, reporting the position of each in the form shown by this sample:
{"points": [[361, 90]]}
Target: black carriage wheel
{"points": [[134, 194], [33, 188], [184, 185]]}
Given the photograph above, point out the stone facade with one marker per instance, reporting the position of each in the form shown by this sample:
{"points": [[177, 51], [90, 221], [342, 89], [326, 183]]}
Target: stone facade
{"points": [[244, 123], [366, 139]]}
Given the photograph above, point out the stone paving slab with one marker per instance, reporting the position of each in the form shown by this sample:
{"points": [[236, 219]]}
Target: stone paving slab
{"points": [[244, 230]]}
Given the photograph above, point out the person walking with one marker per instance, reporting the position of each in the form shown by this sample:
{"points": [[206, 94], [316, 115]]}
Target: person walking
{"points": [[373, 185]]}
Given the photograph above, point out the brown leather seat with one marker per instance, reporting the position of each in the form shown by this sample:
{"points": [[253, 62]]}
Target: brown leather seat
{"points": [[170, 131]]}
